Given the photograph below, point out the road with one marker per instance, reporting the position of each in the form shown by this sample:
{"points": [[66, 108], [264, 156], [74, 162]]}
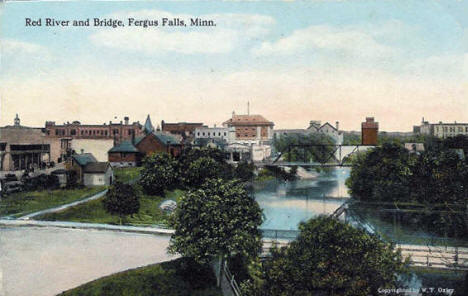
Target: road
{"points": [[44, 261]]}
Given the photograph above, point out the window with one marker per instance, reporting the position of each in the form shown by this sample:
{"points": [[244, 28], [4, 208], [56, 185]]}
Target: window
{"points": [[208, 134], [198, 134], [129, 132], [460, 129], [445, 129], [56, 132], [105, 133], [225, 132], [82, 132], [203, 133]]}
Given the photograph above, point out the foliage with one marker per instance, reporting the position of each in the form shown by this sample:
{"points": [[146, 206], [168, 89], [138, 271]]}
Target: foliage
{"points": [[381, 174], [218, 219], [244, 171], [200, 170], [94, 212], [121, 200], [160, 172], [321, 152], [329, 258], [437, 179], [127, 175], [40, 182], [72, 179], [181, 277], [350, 138]]}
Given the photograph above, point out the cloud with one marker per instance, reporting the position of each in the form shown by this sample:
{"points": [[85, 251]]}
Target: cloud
{"points": [[15, 47], [18, 57], [350, 41], [231, 31]]}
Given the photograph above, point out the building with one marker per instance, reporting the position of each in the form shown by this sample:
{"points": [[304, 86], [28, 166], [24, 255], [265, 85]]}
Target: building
{"points": [[326, 129], [130, 153], [24, 147], [90, 172], [98, 174], [315, 127], [369, 131], [67, 132], [414, 147], [184, 129], [220, 133], [442, 130], [250, 128]]}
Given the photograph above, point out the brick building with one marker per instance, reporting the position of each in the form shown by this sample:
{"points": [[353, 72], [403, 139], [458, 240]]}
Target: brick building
{"points": [[184, 129], [130, 153], [66, 132], [250, 127], [369, 131]]}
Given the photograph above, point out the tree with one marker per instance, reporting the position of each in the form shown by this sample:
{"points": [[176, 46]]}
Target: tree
{"points": [[121, 200], [200, 170], [160, 172], [330, 257], [217, 220], [381, 174]]}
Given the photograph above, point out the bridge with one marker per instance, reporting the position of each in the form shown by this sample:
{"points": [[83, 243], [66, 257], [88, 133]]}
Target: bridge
{"points": [[322, 155], [430, 255]]}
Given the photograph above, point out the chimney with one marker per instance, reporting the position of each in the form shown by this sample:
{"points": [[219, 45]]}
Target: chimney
{"points": [[133, 137], [82, 151], [337, 125], [126, 120]]}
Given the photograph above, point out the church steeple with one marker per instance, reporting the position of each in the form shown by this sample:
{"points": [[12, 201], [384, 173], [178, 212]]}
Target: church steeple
{"points": [[148, 128], [17, 120]]}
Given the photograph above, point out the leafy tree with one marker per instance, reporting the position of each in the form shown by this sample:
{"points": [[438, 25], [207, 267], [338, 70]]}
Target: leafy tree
{"points": [[330, 258], [160, 172], [244, 171], [200, 170], [320, 153], [381, 174], [217, 220], [121, 200]]}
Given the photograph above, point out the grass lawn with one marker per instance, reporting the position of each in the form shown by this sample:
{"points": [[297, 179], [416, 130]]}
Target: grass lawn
{"points": [[94, 212], [126, 175], [23, 203], [181, 277]]}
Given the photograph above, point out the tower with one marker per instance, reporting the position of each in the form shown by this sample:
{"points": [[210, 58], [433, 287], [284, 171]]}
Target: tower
{"points": [[17, 120]]}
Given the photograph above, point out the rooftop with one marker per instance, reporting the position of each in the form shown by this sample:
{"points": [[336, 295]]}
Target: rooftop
{"points": [[84, 158]]}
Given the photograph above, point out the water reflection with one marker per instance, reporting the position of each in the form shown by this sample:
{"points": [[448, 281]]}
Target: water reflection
{"points": [[285, 204]]}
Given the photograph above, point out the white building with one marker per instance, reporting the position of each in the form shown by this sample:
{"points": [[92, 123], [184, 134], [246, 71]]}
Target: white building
{"points": [[221, 133], [326, 129], [442, 130], [97, 173]]}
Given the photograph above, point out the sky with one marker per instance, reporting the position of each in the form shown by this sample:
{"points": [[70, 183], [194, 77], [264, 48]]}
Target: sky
{"points": [[294, 61]]}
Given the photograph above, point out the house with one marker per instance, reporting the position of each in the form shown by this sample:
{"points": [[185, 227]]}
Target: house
{"points": [[130, 153], [98, 173], [326, 129], [89, 171]]}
